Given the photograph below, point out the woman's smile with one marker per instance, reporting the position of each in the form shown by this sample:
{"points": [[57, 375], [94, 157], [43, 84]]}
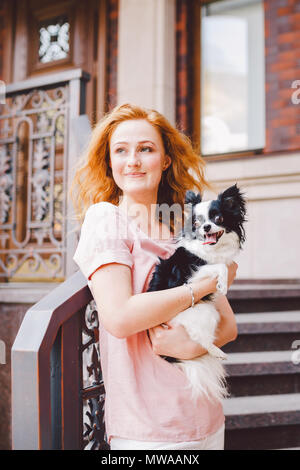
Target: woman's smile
{"points": [[135, 175]]}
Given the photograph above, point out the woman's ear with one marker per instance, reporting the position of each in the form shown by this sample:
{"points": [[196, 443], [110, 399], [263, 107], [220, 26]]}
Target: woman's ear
{"points": [[168, 162]]}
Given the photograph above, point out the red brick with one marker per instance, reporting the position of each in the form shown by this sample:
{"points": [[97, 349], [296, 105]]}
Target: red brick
{"points": [[284, 11], [290, 55], [278, 104], [279, 66], [283, 122], [291, 74], [289, 37], [112, 41]]}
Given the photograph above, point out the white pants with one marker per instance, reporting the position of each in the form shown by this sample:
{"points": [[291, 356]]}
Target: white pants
{"points": [[213, 442]]}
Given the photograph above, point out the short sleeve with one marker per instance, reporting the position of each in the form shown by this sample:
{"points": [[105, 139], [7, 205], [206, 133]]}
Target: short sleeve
{"points": [[104, 239]]}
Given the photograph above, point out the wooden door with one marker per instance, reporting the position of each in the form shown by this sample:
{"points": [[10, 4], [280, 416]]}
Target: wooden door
{"points": [[49, 36]]}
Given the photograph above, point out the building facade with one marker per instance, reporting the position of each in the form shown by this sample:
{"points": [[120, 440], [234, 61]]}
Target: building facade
{"points": [[226, 72], [234, 93]]}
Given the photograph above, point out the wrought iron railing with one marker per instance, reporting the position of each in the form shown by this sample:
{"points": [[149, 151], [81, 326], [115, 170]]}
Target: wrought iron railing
{"points": [[57, 389], [37, 153]]}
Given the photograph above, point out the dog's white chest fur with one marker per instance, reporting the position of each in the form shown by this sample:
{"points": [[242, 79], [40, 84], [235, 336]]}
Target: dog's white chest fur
{"points": [[214, 234], [206, 374]]}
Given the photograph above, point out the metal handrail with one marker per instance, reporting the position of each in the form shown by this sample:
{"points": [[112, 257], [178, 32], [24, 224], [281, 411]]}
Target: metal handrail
{"points": [[47, 383]]}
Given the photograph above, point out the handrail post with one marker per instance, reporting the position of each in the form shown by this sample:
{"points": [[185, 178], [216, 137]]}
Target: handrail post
{"points": [[45, 340]]}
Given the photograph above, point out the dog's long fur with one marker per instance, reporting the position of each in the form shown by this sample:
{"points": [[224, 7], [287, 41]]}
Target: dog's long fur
{"points": [[212, 236]]}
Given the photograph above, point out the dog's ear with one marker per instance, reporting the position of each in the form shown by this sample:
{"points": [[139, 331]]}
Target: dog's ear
{"points": [[193, 198], [232, 199]]}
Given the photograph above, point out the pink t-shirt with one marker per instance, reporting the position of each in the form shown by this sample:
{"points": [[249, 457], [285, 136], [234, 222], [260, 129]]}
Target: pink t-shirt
{"points": [[147, 398]]}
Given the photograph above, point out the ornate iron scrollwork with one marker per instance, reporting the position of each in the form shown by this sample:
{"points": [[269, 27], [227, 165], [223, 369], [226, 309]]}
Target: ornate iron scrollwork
{"points": [[40, 180], [93, 393], [33, 184], [6, 183]]}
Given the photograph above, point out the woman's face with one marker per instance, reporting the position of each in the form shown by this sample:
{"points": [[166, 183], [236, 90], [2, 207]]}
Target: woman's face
{"points": [[137, 158]]}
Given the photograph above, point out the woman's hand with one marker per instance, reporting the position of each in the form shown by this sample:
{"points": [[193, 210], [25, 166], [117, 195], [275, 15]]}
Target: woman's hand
{"points": [[174, 341], [210, 284]]}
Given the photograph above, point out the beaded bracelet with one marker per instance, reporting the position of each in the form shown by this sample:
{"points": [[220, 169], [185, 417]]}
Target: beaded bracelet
{"points": [[192, 293]]}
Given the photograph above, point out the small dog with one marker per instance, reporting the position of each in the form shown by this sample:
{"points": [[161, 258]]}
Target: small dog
{"points": [[211, 238]]}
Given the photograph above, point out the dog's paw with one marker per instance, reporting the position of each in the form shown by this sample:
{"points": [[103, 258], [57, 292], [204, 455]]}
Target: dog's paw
{"points": [[221, 287], [222, 280], [216, 352]]}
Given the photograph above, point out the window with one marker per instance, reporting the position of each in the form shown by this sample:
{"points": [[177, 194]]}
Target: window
{"points": [[51, 36], [232, 76], [54, 39]]}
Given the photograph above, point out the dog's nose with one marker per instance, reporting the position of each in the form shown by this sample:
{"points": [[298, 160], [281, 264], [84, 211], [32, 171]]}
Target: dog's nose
{"points": [[206, 227]]}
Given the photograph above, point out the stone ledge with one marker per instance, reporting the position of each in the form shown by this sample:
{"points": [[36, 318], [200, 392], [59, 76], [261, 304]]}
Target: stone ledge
{"points": [[25, 292]]}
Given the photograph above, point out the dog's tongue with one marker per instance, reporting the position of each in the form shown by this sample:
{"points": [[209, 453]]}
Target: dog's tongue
{"points": [[210, 238]]}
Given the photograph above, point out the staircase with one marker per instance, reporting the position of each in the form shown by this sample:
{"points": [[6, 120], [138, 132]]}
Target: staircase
{"points": [[263, 411]]}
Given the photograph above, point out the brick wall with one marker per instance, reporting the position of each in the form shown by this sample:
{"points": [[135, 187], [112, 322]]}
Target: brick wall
{"points": [[184, 65], [2, 37], [282, 29], [112, 53]]}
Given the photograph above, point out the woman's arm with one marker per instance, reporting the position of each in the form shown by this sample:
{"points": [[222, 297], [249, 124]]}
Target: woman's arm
{"points": [[227, 328], [175, 342], [124, 314]]}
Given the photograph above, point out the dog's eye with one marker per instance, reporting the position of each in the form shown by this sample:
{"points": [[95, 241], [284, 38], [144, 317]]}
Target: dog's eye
{"points": [[218, 219]]}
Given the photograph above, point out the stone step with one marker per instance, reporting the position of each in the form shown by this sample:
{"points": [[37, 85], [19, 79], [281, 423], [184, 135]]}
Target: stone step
{"points": [[266, 331], [262, 422], [262, 362], [263, 411], [268, 321], [262, 373], [264, 296]]}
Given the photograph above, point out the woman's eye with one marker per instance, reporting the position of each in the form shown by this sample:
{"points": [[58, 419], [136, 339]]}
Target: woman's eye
{"points": [[120, 150], [146, 149]]}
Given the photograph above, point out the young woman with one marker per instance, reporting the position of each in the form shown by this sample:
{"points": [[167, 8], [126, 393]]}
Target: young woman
{"points": [[134, 161]]}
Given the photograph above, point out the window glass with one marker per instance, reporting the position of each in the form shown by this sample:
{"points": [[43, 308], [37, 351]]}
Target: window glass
{"points": [[232, 76]]}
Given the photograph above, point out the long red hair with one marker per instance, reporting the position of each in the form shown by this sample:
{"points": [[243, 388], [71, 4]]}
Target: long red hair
{"points": [[93, 181]]}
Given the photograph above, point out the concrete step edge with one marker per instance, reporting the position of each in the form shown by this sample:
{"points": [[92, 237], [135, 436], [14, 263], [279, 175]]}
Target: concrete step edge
{"points": [[260, 357], [262, 404], [270, 323], [262, 363], [268, 317]]}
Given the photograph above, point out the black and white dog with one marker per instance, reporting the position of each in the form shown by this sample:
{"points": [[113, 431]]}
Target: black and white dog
{"points": [[211, 238]]}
